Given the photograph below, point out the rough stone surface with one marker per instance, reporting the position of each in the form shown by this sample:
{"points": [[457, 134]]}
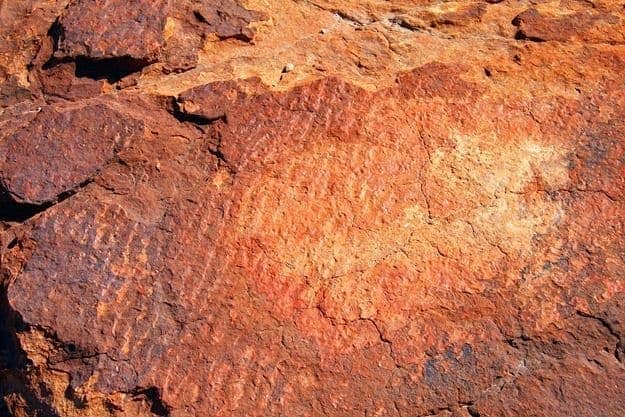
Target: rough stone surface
{"points": [[424, 217], [127, 35], [101, 29], [61, 149]]}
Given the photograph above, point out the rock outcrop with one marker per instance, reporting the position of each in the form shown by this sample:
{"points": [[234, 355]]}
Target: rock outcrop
{"points": [[312, 208]]}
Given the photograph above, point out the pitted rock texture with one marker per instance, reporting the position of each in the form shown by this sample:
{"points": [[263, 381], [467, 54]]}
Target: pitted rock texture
{"points": [[64, 148], [423, 216], [110, 29]]}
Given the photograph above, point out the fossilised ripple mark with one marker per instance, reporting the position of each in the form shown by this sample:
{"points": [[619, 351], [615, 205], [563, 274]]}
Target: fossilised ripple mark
{"points": [[462, 159], [364, 244]]}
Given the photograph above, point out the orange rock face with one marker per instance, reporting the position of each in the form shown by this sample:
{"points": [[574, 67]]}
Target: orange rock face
{"points": [[316, 208]]}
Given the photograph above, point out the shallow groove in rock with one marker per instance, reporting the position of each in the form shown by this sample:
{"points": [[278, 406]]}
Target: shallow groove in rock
{"points": [[522, 36], [195, 119], [619, 349]]}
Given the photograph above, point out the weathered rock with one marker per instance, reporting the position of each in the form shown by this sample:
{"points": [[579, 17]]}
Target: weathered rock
{"points": [[586, 26], [424, 217], [62, 149], [62, 81], [193, 22], [101, 29], [214, 100], [225, 18], [127, 36]]}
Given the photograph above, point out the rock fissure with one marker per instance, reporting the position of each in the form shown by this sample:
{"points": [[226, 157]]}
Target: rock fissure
{"points": [[619, 349]]}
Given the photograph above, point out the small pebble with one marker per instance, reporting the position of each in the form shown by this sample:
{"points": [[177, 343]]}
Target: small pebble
{"points": [[288, 67]]}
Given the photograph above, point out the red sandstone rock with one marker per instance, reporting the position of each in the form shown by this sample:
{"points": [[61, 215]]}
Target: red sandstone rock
{"points": [[424, 217], [112, 29], [214, 100], [140, 32], [62, 149], [586, 26]]}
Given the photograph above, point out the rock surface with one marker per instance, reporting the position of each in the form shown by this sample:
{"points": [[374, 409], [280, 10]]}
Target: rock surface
{"points": [[425, 216]]}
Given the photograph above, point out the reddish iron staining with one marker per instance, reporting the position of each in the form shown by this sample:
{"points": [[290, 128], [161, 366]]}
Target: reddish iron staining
{"points": [[446, 244]]}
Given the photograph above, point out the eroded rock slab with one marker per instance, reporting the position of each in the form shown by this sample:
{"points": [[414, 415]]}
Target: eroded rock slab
{"points": [[61, 149], [112, 29], [131, 35], [587, 26]]}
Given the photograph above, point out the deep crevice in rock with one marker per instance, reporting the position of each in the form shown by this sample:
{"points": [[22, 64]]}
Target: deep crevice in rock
{"points": [[153, 396], [11, 355], [196, 119], [110, 69], [14, 212], [522, 36], [56, 33]]}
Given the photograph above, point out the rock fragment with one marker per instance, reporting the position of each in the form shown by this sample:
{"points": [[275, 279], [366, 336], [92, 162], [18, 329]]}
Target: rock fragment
{"points": [[214, 100], [587, 26], [193, 22], [61, 149], [111, 39], [99, 29]]}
